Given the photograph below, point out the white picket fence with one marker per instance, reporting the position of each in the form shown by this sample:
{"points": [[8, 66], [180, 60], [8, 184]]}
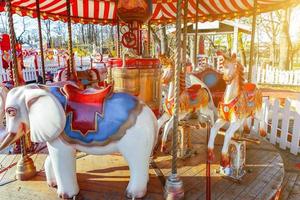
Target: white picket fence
{"points": [[51, 66], [282, 123], [271, 75]]}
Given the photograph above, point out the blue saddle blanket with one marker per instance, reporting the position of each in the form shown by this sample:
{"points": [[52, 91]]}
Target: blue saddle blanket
{"points": [[118, 108]]}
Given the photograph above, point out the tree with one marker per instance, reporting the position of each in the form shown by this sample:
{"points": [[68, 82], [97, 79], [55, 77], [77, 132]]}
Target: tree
{"points": [[48, 32], [270, 24], [285, 41], [163, 40], [242, 49]]}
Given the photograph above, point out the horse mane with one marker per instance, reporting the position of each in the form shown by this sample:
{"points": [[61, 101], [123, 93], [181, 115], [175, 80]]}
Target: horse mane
{"points": [[240, 75], [169, 63]]}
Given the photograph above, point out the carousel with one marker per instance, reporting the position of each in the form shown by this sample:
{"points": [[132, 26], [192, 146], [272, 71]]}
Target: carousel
{"points": [[112, 132]]}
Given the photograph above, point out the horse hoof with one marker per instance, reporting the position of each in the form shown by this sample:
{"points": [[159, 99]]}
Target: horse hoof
{"points": [[210, 155], [262, 133], [225, 160], [163, 149], [246, 129]]}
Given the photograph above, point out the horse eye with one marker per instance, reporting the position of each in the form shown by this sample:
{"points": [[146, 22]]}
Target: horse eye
{"points": [[11, 111]]}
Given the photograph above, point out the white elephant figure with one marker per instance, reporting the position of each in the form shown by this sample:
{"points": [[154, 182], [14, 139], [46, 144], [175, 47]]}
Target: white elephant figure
{"points": [[3, 94], [126, 125]]}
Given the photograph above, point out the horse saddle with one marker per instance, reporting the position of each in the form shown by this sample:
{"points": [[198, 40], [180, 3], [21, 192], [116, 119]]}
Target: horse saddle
{"points": [[193, 91], [84, 105]]}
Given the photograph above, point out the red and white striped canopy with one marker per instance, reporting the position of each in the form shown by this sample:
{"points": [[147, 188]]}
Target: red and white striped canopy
{"points": [[105, 11]]}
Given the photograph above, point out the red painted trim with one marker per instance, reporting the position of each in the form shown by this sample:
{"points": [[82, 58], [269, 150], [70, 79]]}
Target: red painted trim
{"points": [[106, 10], [96, 9], [74, 7], [213, 3], [225, 6], [209, 10], [85, 8], [235, 5], [200, 12]]}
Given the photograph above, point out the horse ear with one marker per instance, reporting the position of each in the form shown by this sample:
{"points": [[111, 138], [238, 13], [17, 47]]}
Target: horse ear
{"points": [[233, 56], [219, 53]]}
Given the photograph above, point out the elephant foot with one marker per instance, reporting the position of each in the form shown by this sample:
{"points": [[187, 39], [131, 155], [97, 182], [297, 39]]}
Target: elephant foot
{"points": [[210, 155], [66, 196], [135, 194], [225, 161], [52, 184], [262, 133]]}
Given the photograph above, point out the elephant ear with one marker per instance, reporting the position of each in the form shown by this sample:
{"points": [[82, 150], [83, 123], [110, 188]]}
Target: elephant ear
{"points": [[46, 115]]}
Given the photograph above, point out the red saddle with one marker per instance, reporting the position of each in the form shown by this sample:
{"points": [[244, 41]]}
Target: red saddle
{"points": [[84, 106], [193, 91]]}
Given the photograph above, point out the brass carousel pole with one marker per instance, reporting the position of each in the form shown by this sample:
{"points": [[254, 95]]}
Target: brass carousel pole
{"points": [[25, 166], [196, 36], [70, 47], [149, 38], [184, 39], [252, 42], [41, 40], [118, 40], [174, 186]]}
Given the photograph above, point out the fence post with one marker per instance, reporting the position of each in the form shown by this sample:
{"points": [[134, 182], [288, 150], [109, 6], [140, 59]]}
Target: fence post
{"points": [[285, 124], [265, 114], [274, 123], [296, 134]]}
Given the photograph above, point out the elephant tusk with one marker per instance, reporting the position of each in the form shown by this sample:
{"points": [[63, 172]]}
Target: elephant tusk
{"points": [[9, 139]]}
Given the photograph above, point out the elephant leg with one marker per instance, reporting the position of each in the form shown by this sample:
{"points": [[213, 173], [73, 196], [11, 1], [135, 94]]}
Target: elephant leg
{"points": [[64, 167], [138, 166], [51, 180], [213, 133], [228, 135]]}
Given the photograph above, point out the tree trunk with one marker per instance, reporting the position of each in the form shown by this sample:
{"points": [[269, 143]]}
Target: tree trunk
{"points": [[273, 45], [163, 40], [285, 42], [229, 43], [241, 49], [192, 49], [82, 34], [48, 32], [101, 40]]}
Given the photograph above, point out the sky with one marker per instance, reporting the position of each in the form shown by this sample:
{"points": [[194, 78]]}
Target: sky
{"points": [[294, 26]]}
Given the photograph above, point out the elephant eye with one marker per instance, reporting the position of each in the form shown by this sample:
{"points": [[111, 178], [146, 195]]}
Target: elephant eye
{"points": [[11, 111]]}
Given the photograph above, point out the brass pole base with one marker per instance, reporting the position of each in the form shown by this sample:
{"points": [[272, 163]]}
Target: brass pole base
{"points": [[174, 188], [25, 169]]}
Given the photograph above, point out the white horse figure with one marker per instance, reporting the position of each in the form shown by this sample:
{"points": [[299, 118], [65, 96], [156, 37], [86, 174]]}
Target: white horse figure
{"points": [[241, 101], [193, 98]]}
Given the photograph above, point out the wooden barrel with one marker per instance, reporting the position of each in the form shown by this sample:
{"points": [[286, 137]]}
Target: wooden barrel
{"points": [[126, 79], [150, 87], [140, 77]]}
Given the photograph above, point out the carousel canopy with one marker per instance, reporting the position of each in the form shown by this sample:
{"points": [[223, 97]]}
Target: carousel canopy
{"points": [[164, 11]]}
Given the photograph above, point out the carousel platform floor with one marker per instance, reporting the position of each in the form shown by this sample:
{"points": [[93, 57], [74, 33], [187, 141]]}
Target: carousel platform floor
{"points": [[106, 177]]}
